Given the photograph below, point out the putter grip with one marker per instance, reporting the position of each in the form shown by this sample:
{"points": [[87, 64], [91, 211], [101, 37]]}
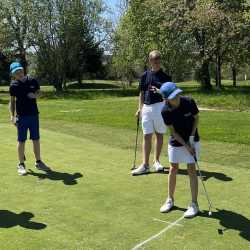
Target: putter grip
{"points": [[195, 158]]}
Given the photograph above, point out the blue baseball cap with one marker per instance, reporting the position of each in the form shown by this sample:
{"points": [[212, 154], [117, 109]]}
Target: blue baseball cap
{"points": [[15, 66], [169, 90]]}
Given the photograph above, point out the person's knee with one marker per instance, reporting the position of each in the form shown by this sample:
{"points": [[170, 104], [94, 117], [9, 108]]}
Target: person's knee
{"points": [[173, 169], [191, 169], [21, 143], [159, 136], [148, 137]]}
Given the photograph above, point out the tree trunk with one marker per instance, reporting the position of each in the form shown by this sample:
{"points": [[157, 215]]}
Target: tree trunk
{"points": [[58, 84], [218, 71], [205, 77], [234, 71], [79, 79], [24, 60]]}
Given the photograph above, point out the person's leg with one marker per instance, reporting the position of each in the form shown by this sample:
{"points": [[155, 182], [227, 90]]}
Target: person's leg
{"points": [[36, 149], [21, 151], [169, 204], [172, 179], [193, 181], [158, 146], [35, 136], [22, 130], [147, 145]]}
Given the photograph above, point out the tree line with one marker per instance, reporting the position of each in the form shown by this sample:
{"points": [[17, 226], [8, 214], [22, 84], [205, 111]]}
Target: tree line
{"points": [[195, 37], [67, 37]]}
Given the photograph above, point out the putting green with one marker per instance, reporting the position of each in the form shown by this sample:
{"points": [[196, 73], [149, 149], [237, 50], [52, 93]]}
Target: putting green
{"points": [[90, 201]]}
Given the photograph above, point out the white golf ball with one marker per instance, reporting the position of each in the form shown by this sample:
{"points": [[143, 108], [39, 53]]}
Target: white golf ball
{"points": [[210, 213]]}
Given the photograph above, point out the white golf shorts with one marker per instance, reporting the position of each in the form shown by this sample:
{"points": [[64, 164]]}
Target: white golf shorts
{"points": [[181, 155], [152, 120]]}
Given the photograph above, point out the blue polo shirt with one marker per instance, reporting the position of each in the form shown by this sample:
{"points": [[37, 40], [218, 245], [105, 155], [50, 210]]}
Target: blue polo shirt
{"points": [[155, 79], [182, 119], [20, 89]]}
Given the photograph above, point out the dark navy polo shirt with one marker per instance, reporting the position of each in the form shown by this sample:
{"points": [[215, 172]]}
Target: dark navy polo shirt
{"points": [[182, 119], [156, 79], [20, 89]]}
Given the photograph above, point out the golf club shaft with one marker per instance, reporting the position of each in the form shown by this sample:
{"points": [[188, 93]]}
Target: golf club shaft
{"points": [[136, 140], [203, 184]]}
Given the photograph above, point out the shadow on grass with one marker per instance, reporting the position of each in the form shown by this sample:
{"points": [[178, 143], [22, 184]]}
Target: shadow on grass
{"points": [[93, 86], [66, 178], [230, 220], [10, 219], [205, 174]]}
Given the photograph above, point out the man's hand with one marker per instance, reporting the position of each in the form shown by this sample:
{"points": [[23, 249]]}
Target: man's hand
{"points": [[191, 141], [190, 149], [154, 89], [32, 96], [13, 120], [138, 113]]}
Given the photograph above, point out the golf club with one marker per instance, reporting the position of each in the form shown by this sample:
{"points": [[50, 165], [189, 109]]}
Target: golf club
{"points": [[203, 184], [136, 142]]}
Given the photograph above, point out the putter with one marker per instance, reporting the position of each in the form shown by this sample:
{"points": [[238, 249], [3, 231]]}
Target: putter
{"points": [[204, 187], [136, 142]]}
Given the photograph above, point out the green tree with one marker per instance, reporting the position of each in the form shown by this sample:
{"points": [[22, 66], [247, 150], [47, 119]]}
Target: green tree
{"points": [[15, 23]]}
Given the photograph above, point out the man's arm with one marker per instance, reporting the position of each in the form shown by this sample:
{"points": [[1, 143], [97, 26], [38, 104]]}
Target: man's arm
{"points": [[140, 104], [196, 124], [180, 140], [12, 108]]}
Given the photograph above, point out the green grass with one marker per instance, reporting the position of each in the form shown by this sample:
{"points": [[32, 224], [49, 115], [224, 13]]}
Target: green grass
{"points": [[228, 98], [90, 201]]}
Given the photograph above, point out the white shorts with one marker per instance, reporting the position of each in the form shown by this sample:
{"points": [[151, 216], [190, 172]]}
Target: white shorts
{"points": [[181, 155], [152, 120]]}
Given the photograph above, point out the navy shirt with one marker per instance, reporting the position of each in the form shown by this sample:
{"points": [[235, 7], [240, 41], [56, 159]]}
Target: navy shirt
{"points": [[182, 119], [20, 89], [156, 79]]}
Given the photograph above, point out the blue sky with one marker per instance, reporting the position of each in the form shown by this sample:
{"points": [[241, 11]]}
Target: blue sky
{"points": [[112, 3], [113, 6]]}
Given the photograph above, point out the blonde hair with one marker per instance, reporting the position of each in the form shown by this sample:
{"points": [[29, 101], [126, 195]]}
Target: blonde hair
{"points": [[154, 54]]}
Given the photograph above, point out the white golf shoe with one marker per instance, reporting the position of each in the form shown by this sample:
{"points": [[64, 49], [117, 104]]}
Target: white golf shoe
{"points": [[192, 210], [143, 169], [167, 206], [21, 169], [158, 167]]}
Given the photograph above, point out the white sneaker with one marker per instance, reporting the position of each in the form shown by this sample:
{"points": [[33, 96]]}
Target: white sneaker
{"points": [[158, 167], [192, 210], [21, 169], [140, 170], [167, 206]]}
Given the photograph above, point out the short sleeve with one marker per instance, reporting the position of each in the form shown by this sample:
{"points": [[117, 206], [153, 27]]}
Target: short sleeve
{"points": [[36, 84], [13, 90], [142, 82], [167, 117], [194, 108]]}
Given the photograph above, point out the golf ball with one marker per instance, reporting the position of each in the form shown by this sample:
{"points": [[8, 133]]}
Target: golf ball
{"points": [[210, 213]]}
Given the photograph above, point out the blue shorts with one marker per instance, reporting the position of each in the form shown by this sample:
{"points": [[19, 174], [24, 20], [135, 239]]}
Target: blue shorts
{"points": [[25, 123]]}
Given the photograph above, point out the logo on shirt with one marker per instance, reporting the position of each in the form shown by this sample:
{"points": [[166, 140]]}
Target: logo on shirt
{"points": [[188, 114]]}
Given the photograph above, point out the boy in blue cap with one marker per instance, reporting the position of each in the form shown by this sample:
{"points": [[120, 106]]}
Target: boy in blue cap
{"points": [[24, 91], [181, 116]]}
